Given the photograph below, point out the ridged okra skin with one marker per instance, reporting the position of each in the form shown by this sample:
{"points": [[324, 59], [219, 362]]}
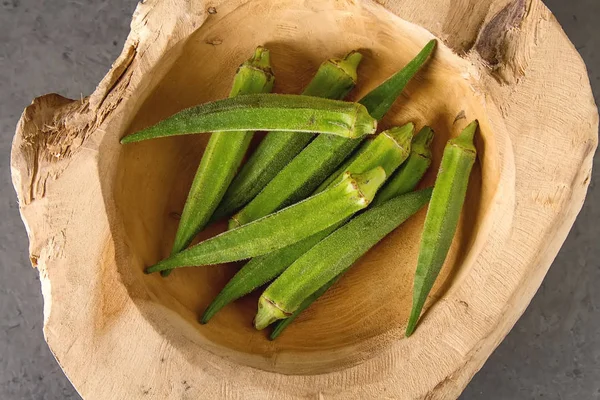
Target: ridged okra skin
{"points": [[266, 112], [442, 216]]}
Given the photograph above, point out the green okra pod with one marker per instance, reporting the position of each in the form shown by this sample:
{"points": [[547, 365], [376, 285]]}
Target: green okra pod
{"points": [[334, 255], [411, 171], [324, 154], [388, 150], [223, 154], [283, 228], [403, 181], [334, 79], [266, 112], [442, 216]]}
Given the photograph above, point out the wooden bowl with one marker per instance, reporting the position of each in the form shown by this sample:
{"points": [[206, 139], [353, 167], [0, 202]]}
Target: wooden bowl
{"points": [[97, 212]]}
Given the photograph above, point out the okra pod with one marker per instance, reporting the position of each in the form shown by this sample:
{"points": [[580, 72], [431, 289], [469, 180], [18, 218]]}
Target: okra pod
{"points": [[411, 171], [442, 216], [403, 181], [334, 79], [388, 150], [223, 154], [323, 155], [266, 112], [283, 228], [334, 255]]}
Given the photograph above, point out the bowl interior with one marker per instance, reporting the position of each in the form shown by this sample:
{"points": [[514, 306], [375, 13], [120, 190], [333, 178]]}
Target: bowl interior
{"points": [[367, 309]]}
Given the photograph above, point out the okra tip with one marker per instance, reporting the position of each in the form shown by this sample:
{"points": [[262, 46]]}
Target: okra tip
{"points": [[208, 314], [127, 139], [216, 305], [277, 330], [466, 137], [158, 130], [150, 270], [160, 266], [469, 131], [267, 313], [430, 46], [412, 321]]}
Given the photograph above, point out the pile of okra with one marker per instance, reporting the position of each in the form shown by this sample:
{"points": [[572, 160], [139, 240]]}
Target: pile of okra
{"points": [[321, 189]]}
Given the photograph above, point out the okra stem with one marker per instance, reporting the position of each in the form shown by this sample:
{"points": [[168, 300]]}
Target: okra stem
{"points": [[334, 255], [334, 79], [223, 155], [442, 216], [282, 228], [403, 181], [267, 112], [324, 154]]}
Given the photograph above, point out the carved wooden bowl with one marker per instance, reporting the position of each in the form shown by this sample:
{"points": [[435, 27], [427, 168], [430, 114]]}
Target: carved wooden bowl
{"points": [[98, 212]]}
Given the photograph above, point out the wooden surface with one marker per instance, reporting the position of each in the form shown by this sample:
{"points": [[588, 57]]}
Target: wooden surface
{"points": [[97, 212]]}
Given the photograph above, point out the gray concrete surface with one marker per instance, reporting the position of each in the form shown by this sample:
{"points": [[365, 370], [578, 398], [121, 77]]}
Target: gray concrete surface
{"points": [[66, 46]]}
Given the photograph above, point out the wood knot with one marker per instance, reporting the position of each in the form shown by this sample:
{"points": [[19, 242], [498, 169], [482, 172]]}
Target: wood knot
{"points": [[504, 43]]}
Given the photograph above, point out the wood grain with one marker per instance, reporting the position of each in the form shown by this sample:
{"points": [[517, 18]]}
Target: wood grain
{"points": [[97, 212]]}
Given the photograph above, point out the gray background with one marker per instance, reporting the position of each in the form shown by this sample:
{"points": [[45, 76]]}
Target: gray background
{"points": [[66, 46]]}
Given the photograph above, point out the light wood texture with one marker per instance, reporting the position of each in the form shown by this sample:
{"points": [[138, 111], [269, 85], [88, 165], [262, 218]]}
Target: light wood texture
{"points": [[97, 212]]}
